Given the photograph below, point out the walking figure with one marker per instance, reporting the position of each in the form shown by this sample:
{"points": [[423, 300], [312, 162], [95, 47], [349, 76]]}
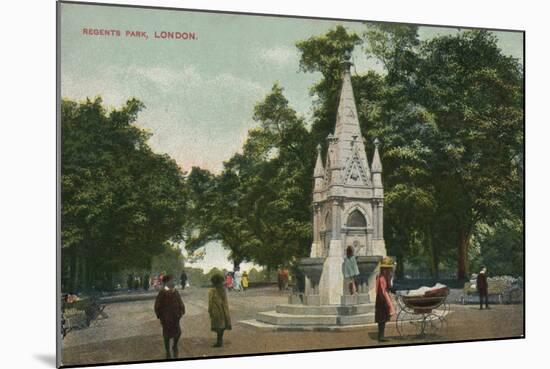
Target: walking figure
{"points": [[245, 280], [237, 281], [169, 308], [183, 279], [218, 309], [483, 288]]}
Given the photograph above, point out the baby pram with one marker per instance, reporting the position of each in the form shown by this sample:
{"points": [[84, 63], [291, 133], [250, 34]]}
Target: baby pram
{"points": [[423, 311]]}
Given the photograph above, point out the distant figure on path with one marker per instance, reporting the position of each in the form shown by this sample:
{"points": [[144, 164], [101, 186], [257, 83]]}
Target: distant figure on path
{"points": [[282, 278], [130, 282], [218, 309], [146, 280], [483, 288], [383, 308], [169, 308], [183, 279], [228, 281], [237, 281], [245, 280], [351, 271]]}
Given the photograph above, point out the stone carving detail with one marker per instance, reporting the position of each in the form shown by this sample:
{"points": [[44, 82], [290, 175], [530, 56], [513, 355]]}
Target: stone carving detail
{"points": [[355, 173]]}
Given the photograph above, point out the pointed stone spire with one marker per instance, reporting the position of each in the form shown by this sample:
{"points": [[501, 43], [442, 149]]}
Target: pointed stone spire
{"points": [[318, 173], [347, 129], [376, 166], [319, 169]]}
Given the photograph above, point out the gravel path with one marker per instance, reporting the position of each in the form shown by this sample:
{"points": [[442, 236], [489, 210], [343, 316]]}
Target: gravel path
{"points": [[132, 332]]}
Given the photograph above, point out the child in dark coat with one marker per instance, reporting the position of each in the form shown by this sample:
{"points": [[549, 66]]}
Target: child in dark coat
{"points": [[169, 308]]}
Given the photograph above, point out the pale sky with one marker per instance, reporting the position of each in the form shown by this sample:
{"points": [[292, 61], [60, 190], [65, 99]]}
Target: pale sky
{"points": [[199, 95]]}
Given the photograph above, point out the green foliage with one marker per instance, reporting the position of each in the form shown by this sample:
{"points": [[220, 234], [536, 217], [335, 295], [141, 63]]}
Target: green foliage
{"points": [[258, 207], [449, 112], [500, 247], [456, 131], [120, 201], [170, 261], [324, 54]]}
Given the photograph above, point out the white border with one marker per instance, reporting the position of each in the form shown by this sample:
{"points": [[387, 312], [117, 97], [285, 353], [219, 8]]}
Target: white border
{"points": [[28, 181]]}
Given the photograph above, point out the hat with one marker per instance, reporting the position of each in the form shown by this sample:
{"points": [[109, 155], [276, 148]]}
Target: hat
{"points": [[387, 262], [217, 279]]}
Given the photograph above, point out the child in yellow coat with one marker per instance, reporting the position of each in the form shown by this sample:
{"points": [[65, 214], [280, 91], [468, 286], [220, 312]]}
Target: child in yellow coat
{"points": [[218, 309]]}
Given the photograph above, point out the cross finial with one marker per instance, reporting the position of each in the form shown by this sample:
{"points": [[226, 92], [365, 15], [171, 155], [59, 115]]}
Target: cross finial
{"points": [[347, 60]]}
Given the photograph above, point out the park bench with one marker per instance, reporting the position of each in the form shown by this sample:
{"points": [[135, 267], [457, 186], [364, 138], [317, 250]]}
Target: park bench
{"points": [[79, 314], [502, 289]]}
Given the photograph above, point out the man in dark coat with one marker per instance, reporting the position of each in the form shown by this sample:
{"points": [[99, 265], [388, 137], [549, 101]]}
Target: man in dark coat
{"points": [[383, 308], [169, 308], [146, 282], [483, 288], [183, 279], [130, 282]]}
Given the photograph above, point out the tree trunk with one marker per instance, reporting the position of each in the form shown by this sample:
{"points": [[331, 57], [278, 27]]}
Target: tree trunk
{"points": [[436, 264], [400, 271], [236, 264], [463, 243], [75, 274], [434, 258], [85, 277]]}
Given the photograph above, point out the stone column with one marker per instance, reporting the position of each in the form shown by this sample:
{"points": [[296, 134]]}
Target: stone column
{"points": [[316, 246], [380, 220], [336, 219], [308, 288], [331, 286], [375, 221], [316, 222]]}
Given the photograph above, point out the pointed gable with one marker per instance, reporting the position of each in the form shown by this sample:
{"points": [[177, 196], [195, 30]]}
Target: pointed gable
{"points": [[350, 144]]}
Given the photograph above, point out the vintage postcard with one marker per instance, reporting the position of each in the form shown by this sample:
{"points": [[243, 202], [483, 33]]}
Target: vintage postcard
{"points": [[240, 184]]}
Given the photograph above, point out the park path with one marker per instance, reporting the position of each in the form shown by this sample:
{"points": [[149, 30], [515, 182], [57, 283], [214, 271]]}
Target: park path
{"points": [[132, 332]]}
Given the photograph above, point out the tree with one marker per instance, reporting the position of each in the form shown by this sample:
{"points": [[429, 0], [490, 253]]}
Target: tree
{"points": [[475, 97], [324, 54], [469, 97], [170, 261], [259, 206], [437, 108], [120, 202]]}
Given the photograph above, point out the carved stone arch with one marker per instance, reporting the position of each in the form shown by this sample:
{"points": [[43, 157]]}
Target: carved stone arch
{"points": [[351, 216]]}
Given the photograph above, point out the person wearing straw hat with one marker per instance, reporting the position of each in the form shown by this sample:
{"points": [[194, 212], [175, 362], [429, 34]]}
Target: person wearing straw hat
{"points": [[383, 308]]}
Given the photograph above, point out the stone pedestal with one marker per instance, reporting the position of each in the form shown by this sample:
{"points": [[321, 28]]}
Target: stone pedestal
{"points": [[331, 286]]}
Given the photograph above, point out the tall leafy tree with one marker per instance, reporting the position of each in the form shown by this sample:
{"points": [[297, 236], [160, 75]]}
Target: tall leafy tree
{"points": [[470, 97], [120, 201], [259, 206]]}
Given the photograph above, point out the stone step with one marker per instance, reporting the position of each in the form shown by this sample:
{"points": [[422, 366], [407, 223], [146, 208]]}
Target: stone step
{"points": [[295, 309], [273, 317], [356, 319]]}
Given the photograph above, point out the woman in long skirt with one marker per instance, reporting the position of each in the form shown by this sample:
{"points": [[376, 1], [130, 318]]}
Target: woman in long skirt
{"points": [[383, 308], [218, 309]]}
